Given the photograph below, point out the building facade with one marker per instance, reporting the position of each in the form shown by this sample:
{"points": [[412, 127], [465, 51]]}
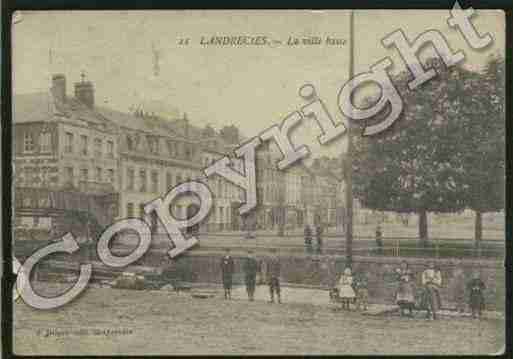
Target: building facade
{"points": [[68, 142]]}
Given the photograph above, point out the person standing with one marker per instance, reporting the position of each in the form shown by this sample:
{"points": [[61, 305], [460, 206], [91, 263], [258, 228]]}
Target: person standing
{"points": [[362, 293], [308, 239], [318, 236], [432, 281], [250, 269], [273, 275], [345, 288], [227, 269], [379, 239], [405, 295], [476, 288]]}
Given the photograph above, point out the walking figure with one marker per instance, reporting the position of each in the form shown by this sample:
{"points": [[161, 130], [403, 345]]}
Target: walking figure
{"points": [[273, 275], [345, 288], [250, 271], [227, 268], [476, 288], [308, 239], [318, 236]]}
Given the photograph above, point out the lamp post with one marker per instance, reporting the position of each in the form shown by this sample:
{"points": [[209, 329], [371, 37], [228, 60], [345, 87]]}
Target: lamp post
{"points": [[348, 161]]}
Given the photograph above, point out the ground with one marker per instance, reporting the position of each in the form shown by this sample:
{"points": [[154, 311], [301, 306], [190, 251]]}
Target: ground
{"points": [[162, 322]]}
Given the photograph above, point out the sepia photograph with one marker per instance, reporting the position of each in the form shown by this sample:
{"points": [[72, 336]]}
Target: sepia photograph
{"points": [[258, 182]]}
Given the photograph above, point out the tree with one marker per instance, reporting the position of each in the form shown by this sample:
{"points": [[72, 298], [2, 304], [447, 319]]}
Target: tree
{"points": [[415, 165], [482, 140]]}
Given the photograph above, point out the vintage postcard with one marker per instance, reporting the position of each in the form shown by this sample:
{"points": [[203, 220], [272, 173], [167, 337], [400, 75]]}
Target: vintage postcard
{"points": [[258, 182]]}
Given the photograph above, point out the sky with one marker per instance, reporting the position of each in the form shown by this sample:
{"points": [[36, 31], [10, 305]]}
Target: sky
{"points": [[251, 87]]}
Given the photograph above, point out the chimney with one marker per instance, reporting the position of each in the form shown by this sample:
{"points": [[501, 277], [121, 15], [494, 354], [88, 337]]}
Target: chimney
{"points": [[84, 92], [59, 87]]}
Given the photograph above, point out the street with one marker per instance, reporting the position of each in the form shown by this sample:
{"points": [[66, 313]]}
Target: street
{"points": [[108, 321]]}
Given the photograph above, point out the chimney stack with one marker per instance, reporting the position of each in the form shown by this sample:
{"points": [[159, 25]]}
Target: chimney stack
{"points": [[84, 92], [59, 87]]}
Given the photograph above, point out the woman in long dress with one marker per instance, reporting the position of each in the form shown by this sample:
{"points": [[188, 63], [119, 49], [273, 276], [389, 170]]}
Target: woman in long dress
{"points": [[405, 296], [346, 291]]}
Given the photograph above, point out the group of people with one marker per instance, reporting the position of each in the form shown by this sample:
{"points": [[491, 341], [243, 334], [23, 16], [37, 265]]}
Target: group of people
{"points": [[431, 281], [354, 288], [351, 289], [251, 267]]}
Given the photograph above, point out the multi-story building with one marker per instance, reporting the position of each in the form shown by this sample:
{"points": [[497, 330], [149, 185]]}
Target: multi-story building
{"points": [[64, 141], [61, 142]]}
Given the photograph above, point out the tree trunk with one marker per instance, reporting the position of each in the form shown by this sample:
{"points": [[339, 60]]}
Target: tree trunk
{"points": [[423, 227], [478, 229]]}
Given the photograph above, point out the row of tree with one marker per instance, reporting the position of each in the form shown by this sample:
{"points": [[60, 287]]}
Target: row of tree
{"points": [[445, 153]]}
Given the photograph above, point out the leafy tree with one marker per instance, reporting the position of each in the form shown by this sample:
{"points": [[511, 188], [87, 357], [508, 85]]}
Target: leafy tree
{"points": [[482, 142], [415, 166]]}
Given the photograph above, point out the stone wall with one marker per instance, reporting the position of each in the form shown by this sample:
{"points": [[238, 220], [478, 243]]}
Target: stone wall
{"points": [[317, 271], [323, 272]]}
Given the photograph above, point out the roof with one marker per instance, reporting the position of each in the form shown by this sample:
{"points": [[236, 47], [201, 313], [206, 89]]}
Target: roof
{"points": [[42, 106], [31, 107]]}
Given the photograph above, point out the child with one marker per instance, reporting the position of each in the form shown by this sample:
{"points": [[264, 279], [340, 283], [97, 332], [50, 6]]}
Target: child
{"points": [[476, 298], [362, 293], [345, 288]]}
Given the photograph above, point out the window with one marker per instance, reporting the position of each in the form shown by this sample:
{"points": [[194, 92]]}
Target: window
{"points": [[28, 142], [142, 177], [154, 181], [84, 145], [68, 175], [221, 215], [98, 147], [44, 142], [170, 148], [84, 174], [153, 144], [110, 149], [141, 210], [169, 181], [130, 179], [178, 179], [68, 147], [110, 175], [130, 143], [98, 177], [188, 152], [130, 209]]}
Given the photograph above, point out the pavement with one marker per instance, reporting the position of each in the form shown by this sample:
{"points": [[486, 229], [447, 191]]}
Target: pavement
{"points": [[106, 321]]}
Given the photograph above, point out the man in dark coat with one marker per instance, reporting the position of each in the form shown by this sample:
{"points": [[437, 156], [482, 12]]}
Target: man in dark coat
{"points": [[476, 289], [227, 268], [250, 268], [273, 275], [379, 239]]}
